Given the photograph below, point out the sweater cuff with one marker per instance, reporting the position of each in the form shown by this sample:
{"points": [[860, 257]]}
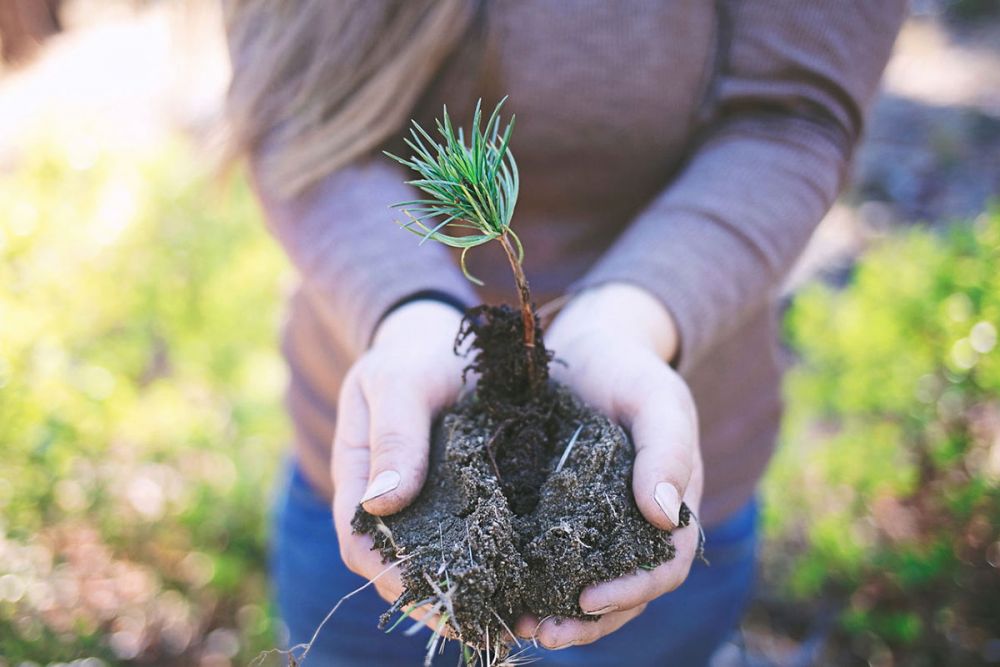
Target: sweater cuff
{"points": [[434, 296], [364, 289]]}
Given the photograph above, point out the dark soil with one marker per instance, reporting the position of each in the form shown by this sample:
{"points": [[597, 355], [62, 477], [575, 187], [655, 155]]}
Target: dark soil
{"points": [[496, 531]]}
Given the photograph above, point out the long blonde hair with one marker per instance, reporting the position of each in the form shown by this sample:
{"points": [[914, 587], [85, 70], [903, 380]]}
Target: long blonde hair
{"points": [[318, 83]]}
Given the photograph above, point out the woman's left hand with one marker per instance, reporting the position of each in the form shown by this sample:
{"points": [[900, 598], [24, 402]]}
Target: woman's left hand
{"points": [[615, 341]]}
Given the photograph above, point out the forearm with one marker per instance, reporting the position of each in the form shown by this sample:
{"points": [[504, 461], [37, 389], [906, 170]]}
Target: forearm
{"points": [[354, 262], [719, 241], [787, 107]]}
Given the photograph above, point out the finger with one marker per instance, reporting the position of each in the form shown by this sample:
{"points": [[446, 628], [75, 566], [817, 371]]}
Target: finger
{"points": [[527, 625], [556, 633], [350, 458], [360, 557], [400, 441], [664, 429], [390, 586], [642, 586], [350, 476]]}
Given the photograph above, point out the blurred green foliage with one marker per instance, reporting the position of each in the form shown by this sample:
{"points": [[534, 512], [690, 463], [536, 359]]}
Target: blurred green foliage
{"points": [[885, 494], [140, 412]]}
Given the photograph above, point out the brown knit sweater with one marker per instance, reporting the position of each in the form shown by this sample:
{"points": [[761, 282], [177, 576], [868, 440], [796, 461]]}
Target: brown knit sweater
{"points": [[688, 147]]}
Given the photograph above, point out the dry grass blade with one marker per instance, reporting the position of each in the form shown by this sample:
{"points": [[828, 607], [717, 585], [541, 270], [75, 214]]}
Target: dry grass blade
{"points": [[569, 448], [290, 653]]}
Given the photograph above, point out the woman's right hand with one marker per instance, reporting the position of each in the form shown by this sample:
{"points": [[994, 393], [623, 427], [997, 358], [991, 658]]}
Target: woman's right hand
{"points": [[387, 404]]}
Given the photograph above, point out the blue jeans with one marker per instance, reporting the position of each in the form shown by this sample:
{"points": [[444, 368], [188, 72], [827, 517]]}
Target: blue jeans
{"points": [[681, 628]]}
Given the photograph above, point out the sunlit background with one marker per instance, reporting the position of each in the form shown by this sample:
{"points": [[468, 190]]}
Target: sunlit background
{"points": [[140, 385]]}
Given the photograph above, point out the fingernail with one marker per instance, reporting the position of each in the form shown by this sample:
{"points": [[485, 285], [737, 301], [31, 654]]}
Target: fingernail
{"points": [[554, 621], [603, 610], [384, 482], [572, 642], [666, 496]]}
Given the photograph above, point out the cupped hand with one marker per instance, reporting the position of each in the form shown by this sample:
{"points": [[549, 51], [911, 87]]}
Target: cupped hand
{"points": [[615, 341], [382, 440]]}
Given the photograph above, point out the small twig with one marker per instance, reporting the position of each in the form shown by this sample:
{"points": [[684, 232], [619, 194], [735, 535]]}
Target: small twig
{"points": [[489, 447], [534, 633], [435, 638], [507, 628], [528, 318], [419, 625], [611, 505], [569, 448], [468, 537], [274, 651], [565, 527], [444, 565], [700, 552], [445, 600], [519, 658], [384, 529]]}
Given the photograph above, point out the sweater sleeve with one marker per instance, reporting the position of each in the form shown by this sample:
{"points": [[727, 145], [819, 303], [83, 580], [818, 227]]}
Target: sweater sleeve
{"points": [[789, 98], [355, 263]]}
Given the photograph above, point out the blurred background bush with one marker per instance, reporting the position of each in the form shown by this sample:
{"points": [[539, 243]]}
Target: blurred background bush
{"points": [[882, 510], [140, 408], [141, 425]]}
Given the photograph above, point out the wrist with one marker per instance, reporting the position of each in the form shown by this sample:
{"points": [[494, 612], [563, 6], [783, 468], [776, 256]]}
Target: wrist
{"points": [[624, 311], [418, 321]]}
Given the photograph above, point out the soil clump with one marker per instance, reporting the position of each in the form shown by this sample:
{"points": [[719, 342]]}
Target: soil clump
{"points": [[508, 521]]}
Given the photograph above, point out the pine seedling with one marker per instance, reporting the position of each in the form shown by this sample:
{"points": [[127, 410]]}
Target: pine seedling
{"points": [[471, 190]]}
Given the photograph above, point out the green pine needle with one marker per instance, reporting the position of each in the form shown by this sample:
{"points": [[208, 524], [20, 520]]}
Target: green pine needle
{"points": [[407, 613], [471, 187]]}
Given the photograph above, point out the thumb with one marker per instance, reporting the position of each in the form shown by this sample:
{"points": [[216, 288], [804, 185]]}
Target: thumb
{"points": [[664, 430], [350, 457], [400, 425]]}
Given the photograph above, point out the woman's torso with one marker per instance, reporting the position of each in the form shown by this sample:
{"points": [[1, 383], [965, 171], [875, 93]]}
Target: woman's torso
{"points": [[609, 98]]}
